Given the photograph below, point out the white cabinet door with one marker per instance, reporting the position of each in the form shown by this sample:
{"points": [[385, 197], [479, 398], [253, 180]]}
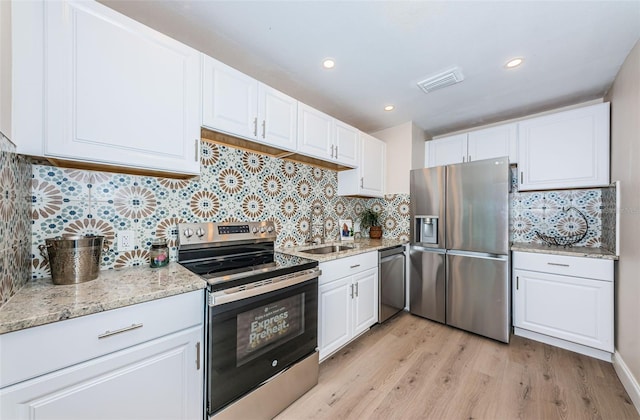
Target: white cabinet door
{"points": [[334, 315], [570, 308], [118, 92], [365, 302], [565, 150], [315, 132], [447, 150], [372, 166], [347, 144], [368, 179], [493, 142], [229, 99], [277, 118], [158, 379]]}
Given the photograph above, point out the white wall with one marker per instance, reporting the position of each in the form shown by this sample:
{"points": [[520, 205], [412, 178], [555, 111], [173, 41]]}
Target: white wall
{"points": [[5, 68], [624, 96], [405, 151]]}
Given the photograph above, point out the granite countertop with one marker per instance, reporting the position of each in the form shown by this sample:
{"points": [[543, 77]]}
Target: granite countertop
{"points": [[41, 302], [576, 251], [360, 246]]}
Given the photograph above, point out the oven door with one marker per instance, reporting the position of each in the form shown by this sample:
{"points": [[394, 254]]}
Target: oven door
{"points": [[253, 338]]}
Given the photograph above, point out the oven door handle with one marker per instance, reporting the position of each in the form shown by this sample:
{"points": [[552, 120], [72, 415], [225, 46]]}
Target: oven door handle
{"points": [[258, 288]]}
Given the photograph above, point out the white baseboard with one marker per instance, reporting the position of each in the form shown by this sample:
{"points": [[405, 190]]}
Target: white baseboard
{"points": [[629, 382]]}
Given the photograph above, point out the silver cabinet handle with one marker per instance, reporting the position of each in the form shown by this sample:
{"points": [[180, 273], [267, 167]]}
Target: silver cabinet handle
{"points": [[517, 283], [354, 266], [351, 292], [198, 355], [469, 158], [255, 127], [356, 289], [559, 265], [264, 129], [463, 158], [197, 150], [332, 146], [521, 177], [119, 331], [362, 182], [336, 151]]}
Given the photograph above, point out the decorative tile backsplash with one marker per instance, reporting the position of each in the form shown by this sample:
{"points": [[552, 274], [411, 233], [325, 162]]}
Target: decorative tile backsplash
{"points": [[234, 185], [548, 212], [15, 220], [237, 185]]}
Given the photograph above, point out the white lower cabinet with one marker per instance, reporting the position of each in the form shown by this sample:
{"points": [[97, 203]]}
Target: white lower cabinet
{"points": [[151, 380], [158, 378], [566, 301], [347, 300]]}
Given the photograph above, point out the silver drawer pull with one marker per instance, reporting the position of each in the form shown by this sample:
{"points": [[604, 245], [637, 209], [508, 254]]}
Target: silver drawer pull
{"points": [[121, 330], [355, 266], [559, 265]]}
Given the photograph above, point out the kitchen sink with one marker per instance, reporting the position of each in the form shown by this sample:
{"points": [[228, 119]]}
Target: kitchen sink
{"points": [[328, 249]]}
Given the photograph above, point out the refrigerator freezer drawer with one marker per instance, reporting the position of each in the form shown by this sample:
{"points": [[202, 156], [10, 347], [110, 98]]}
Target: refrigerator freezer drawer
{"points": [[478, 298], [427, 283]]}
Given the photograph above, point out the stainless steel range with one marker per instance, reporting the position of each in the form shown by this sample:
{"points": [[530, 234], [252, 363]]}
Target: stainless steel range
{"points": [[261, 317]]}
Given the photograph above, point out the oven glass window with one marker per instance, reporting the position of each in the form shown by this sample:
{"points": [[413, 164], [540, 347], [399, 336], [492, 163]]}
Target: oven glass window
{"points": [[268, 326]]}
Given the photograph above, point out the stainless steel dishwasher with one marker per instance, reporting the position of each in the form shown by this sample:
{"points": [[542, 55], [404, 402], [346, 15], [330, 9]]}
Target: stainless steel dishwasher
{"points": [[392, 282]]}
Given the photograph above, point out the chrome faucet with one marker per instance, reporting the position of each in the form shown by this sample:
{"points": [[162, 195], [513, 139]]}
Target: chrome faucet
{"points": [[310, 239]]}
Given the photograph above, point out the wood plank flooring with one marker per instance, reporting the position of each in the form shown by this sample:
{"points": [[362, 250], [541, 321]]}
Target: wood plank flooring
{"points": [[412, 368]]}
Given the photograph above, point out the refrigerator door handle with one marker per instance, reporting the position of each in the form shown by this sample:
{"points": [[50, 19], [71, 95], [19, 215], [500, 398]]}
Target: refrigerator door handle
{"points": [[484, 256], [426, 248]]}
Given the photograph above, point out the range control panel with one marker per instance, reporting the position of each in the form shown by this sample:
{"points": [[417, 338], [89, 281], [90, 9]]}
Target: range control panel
{"points": [[218, 233]]}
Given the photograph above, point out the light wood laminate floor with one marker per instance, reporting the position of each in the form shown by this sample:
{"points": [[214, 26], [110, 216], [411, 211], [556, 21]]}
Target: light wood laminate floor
{"points": [[412, 368]]}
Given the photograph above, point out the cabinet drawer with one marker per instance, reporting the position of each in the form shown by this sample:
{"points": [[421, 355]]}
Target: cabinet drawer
{"points": [[591, 268], [36, 351], [347, 266]]}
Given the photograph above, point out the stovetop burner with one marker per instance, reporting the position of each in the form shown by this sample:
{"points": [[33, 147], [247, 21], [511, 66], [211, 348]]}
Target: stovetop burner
{"points": [[231, 254]]}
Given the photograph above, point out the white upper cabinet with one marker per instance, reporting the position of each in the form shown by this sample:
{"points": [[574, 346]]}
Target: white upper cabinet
{"points": [[368, 179], [323, 137], [229, 99], [482, 144], [315, 132], [237, 104], [117, 92], [569, 149], [447, 150], [346, 144], [277, 114], [493, 142]]}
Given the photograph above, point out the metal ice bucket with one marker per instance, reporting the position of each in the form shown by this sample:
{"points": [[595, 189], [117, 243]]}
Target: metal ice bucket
{"points": [[73, 258]]}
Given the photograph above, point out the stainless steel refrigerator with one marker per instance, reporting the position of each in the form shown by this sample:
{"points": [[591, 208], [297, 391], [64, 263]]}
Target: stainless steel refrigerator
{"points": [[460, 246]]}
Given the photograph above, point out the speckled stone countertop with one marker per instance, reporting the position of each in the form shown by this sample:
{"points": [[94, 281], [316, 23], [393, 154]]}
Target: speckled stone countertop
{"points": [[41, 302], [577, 251], [360, 246]]}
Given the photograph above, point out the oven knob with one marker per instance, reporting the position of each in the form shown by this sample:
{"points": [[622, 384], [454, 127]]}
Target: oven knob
{"points": [[200, 232], [262, 229], [274, 363], [254, 230], [270, 229], [188, 233]]}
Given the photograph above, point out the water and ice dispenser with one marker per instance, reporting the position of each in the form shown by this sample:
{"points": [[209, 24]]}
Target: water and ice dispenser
{"points": [[426, 229]]}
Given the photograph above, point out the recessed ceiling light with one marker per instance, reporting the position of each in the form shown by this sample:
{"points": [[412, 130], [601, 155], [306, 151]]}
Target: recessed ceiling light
{"points": [[389, 108], [328, 63], [515, 62]]}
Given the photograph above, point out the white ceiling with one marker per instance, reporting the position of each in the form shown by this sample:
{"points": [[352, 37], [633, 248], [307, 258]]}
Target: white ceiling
{"points": [[572, 51]]}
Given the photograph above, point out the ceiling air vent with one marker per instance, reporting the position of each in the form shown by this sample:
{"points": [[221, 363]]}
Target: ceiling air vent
{"points": [[441, 80]]}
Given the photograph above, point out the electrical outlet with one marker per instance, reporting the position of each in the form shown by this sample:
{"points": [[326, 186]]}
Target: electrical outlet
{"points": [[126, 240]]}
